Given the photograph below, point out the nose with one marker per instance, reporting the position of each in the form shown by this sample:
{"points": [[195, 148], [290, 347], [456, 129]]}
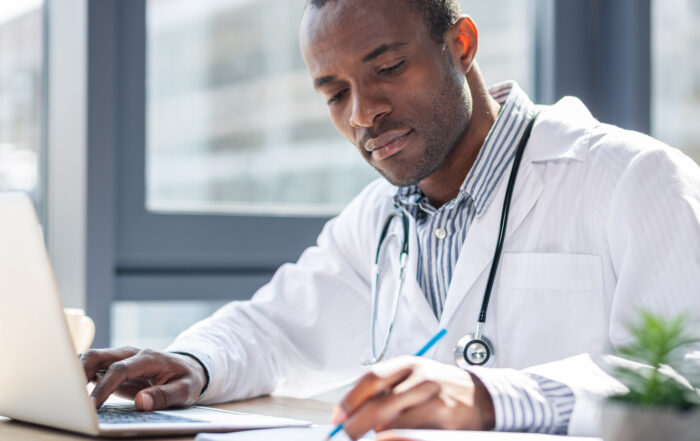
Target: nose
{"points": [[368, 107]]}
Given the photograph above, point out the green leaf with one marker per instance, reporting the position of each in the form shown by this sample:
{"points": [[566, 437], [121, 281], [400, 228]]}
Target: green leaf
{"points": [[657, 341]]}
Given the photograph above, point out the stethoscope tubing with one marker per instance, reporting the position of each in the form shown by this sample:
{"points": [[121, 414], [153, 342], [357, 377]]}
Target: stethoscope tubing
{"points": [[403, 257], [478, 337], [504, 220]]}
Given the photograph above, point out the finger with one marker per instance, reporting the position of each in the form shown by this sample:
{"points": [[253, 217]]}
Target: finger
{"points": [[440, 412], [129, 389], [392, 437], [367, 387], [426, 415], [179, 393], [139, 366], [95, 360], [378, 412]]}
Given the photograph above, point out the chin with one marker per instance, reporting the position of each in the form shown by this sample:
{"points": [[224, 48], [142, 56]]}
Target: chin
{"points": [[399, 179]]}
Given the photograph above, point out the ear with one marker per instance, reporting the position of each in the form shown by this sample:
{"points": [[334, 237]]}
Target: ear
{"points": [[462, 40]]}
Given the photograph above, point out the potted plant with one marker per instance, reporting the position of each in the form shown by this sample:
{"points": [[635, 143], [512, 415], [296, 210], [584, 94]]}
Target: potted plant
{"points": [[662, 404]]}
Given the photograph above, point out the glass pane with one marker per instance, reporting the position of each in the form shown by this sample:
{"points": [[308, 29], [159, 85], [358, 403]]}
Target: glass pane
{"points": [[233, 122], [676, 74], [155, 324], [21, 97], [506, 40]]}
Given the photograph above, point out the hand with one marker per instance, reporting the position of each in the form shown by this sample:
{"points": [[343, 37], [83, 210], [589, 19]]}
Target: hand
{"points": [[154, 380], [414, 392]]}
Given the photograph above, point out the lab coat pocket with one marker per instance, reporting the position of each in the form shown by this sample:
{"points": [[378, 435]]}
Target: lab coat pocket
{"points": [[549, 306]]}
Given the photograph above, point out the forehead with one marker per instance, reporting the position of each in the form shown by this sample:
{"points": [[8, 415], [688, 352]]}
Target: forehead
{"points": [[344, 29]]}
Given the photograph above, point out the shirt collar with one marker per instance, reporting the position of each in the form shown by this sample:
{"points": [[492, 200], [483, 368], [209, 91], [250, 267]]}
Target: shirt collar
{"points": [[493, 158]]}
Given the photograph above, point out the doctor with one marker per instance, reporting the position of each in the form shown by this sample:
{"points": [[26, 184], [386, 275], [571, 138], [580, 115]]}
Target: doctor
{"points": [[602, 222]]}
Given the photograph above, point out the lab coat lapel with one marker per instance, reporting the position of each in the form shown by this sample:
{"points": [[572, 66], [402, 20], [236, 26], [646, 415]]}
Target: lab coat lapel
{"points": [[479, 246]]}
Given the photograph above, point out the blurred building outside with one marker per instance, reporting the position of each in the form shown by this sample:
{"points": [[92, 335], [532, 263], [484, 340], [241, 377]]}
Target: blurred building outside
{"points": [[234, 124], [21, 97], [676, 74]]}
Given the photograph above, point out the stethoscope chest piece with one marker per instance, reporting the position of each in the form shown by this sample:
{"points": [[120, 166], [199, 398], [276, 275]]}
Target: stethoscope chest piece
{"points": [[471, 350]]}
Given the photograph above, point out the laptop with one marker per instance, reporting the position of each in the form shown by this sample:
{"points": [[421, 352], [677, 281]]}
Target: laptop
{"points": [[41, 378]]}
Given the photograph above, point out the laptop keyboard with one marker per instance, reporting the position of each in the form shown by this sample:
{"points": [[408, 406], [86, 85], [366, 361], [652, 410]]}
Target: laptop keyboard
{"points": [[113, 414]]}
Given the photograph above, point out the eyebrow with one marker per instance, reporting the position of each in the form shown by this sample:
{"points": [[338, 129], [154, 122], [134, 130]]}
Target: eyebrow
{"points": [[318, 82], [382, 49]]}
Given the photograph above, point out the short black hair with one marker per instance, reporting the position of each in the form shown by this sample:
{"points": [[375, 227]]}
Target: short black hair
{"points": [[439, 15]]}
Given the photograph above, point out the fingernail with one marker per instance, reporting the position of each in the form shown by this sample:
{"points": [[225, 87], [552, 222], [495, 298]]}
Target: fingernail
{"points": [[339, 415], [147, 401]]}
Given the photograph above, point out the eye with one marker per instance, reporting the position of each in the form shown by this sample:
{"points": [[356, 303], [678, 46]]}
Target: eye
{"points": [[393, 69], [337, 97]]}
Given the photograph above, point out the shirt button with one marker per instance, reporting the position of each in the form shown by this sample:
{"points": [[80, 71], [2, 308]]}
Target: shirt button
{"points": [[440, 233]]}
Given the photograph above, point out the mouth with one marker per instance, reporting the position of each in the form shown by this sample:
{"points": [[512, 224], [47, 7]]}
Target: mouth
{"points": [[388, 143]]}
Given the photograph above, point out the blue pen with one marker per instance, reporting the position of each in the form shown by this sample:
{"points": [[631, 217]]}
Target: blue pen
{"points": [[420, 353]]}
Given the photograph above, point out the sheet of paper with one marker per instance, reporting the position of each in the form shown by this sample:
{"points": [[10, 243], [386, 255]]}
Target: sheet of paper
{"points": [[459, 435], [316, 433], [319, 433]]}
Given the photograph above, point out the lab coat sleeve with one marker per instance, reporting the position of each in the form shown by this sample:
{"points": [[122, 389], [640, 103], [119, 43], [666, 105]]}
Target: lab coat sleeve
{"points": [[312, 317], [543, 398], [654, 238], [653, 234]]}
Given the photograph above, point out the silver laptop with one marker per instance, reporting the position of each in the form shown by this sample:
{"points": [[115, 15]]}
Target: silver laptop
{"points": [[41, 378]]}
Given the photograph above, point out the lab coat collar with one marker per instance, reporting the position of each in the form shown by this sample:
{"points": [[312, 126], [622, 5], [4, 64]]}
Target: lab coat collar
{"points": [[562, 131]]}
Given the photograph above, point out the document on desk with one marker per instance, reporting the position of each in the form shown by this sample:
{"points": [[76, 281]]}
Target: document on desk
{"points": [[463, 435], [319, 433], [315, 433]]}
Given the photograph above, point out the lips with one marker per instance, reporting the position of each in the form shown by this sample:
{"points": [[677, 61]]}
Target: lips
{"points": [[388, 143]]}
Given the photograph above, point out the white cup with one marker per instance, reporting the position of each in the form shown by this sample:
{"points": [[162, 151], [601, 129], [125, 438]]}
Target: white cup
{"points": [[82, 328]]}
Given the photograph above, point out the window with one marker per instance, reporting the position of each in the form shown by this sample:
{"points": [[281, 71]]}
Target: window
{"points": [[676, 74], [233, 122], [506, 40], [155, 324], [21, 97]]}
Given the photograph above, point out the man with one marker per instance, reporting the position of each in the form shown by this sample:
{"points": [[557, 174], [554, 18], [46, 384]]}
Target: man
{"points": [[603, 223]]}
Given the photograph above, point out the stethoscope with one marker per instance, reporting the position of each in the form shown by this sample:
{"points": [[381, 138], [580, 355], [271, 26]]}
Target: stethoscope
{"points": [[472, 349]]}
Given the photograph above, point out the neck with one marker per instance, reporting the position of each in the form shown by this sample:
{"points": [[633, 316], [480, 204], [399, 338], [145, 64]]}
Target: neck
{"points": [[444, 183]]}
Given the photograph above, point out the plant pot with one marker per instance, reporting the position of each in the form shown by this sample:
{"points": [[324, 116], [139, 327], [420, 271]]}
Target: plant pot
{"points": [[628, 422]]}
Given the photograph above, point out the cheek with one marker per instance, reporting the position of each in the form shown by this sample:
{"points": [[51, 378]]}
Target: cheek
{"points": [[420, 95]]}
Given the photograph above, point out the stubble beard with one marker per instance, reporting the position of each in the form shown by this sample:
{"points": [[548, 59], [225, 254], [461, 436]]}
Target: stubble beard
{"points": [[441, 134]]}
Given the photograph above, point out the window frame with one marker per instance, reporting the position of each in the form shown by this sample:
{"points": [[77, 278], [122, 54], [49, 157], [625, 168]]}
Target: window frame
{"points": [[599, 51]]}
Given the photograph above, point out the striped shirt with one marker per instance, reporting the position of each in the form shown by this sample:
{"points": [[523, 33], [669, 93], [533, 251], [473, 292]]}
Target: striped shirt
{"points": [[522, 402]]}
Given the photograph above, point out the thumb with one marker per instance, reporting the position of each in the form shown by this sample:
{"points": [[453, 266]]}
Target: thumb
{"points": [[175, 394]]}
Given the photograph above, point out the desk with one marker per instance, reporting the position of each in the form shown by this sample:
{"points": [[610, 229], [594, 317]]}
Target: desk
{"points": [[318, 412]]}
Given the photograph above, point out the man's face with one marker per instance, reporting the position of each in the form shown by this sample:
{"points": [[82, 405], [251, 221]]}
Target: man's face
{"points": [[390, 89]]}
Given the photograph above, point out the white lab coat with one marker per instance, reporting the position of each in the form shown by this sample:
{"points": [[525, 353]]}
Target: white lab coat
{"points": [[604, 222]]}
